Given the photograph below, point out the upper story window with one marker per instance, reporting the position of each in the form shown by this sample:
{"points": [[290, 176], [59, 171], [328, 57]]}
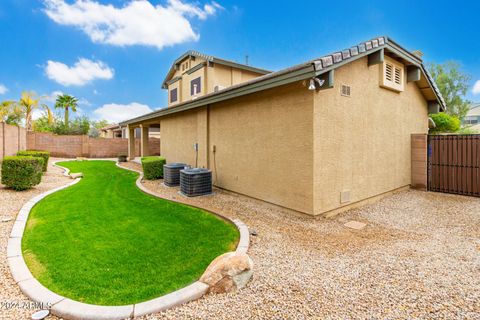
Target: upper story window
{"points": [[392, 75], [173, 95], [195, 86]]}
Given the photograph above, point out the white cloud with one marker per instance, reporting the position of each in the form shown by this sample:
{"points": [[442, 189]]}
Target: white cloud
{"points": [[120, 112], [3, 89], [81, 73], [51, 97], [138, 22], [476, 87]]}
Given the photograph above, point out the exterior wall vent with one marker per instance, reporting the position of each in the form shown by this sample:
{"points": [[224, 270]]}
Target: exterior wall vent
{"points": [[171, 173], [195, 182], [345, 90], [392, 75]]}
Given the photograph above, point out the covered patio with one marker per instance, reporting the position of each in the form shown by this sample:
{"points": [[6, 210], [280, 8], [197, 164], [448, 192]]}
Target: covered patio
{"points": [[144, 138]]}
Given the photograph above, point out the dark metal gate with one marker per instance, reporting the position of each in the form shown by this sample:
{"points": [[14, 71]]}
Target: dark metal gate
{"points": [[454, 164]]}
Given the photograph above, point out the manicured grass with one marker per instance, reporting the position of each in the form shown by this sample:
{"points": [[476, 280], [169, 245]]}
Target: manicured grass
{"points": [[103, 241]]}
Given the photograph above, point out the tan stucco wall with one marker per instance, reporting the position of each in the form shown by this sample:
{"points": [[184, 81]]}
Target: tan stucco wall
{"points": [[362, 142], [227, 76], [264, 146], [211, 76], [179, 133], [263, 142]]}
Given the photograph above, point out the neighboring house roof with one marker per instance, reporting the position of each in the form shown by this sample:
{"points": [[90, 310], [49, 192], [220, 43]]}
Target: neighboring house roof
{"points": [[208, 58], [312, 68], [110, 127], [474, 110]]}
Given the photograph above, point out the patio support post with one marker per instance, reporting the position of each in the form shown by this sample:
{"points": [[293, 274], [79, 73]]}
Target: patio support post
{"points": [[144, 140], [131, 143]]}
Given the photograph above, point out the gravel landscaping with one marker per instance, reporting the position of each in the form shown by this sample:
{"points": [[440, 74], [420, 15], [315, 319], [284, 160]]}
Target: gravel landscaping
{"points": [[13, 304], [418, 257]]}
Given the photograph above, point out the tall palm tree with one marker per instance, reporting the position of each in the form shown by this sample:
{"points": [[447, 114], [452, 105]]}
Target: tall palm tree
{"points": [[67, 103], [28, 102]]}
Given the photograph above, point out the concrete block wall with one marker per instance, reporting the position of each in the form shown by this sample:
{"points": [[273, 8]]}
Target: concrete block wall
{"points": [[12, 139], [83, 146]]}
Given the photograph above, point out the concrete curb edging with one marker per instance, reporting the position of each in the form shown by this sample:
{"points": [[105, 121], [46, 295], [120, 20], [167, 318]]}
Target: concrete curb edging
{"points": [[70, 309]]}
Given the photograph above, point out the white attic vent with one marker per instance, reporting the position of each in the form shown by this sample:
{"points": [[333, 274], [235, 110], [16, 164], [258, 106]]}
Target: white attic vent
{"points": [[392, 75], [345, 90]]}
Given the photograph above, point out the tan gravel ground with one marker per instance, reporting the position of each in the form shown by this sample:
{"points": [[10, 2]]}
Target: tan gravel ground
{"points": [[13, 304], [417, 258]]}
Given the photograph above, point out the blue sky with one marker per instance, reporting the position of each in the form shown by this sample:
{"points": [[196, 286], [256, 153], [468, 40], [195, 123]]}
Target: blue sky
{"points": [[113, 55]]}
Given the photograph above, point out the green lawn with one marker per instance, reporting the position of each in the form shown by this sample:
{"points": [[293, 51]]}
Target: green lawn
{"points": [[103, 241]]}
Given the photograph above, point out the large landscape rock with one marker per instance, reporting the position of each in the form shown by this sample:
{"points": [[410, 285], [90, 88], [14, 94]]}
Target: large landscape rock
{"points": [[229, 272]]}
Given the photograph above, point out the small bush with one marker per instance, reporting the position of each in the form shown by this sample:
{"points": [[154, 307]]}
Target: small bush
{"points": [[122, 158], [22, 172], [45, 155], [445, 123], [153, 167]]}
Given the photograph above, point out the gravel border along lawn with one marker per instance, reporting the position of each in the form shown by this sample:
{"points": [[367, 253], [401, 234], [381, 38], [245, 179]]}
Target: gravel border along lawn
{"points": [[418, 257], [13, 304]]}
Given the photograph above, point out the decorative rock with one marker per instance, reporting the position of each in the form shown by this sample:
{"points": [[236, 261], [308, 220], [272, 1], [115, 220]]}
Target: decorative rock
{"points": [[76, 175], [229, 272]]}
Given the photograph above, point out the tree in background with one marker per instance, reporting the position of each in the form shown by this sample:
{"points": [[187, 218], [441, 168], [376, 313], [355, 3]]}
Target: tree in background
{"points": [[11, 113], [453, 85], [46, 122], [96, 126], [66, 102], [28, 103], [444, 123]]}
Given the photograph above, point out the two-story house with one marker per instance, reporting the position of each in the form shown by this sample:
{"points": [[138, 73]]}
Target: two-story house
{"points": [[195, 74], [318, 137]]}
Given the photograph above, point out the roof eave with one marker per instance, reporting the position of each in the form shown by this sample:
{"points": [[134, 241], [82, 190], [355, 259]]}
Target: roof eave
{"points": [[301, 73]]}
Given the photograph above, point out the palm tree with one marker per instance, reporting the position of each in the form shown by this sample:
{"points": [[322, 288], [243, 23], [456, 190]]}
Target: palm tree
{"points": [[28, 102], [66, 102]]}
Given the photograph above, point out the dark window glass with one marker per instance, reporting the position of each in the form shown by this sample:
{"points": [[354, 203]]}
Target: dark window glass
{"points": [[173, 95], [195, 86]]}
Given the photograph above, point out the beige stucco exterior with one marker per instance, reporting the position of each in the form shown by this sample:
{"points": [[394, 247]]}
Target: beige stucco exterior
{"points": [[211, 75], [362, 142], [256, 140], [314, 151]]}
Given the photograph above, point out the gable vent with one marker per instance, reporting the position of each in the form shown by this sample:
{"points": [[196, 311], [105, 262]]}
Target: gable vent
{"points": [[388, 71], [345, 90], [398, 76], [392, 75]]}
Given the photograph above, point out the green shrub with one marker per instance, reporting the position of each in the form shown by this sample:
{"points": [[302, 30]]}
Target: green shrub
{"points": [[444, 123], [22, 172], [153, 167], [45, 155]]}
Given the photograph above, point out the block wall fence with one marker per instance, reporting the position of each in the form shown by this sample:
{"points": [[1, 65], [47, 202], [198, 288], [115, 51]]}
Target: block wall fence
{"points": [[12, 139], [73, 146]]}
